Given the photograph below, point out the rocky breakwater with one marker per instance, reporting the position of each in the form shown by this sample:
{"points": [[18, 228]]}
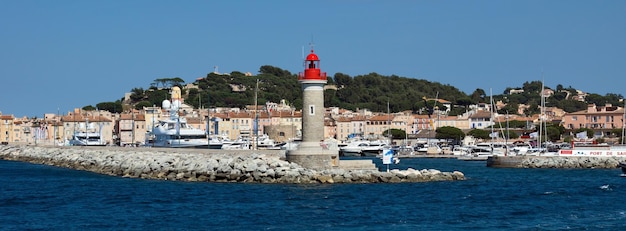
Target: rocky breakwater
{"points": [[555, 161], [179, 165]]}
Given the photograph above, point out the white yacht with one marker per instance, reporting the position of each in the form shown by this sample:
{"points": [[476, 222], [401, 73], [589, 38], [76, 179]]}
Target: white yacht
{"points": [[354, 148], [374, 148], [242, 142], [174, 132], [87, 139], [265, 142], [291, 144]]}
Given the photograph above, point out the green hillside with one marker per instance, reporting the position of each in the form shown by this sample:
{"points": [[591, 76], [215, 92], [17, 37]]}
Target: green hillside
{"points": [[371, 91]]}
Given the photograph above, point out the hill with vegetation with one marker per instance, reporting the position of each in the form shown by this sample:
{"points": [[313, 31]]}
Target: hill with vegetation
{"points": [[371, 91]]}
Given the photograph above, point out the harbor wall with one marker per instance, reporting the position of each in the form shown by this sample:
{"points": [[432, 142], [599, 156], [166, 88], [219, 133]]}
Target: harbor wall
{"points": [[254, 166], [554, 161]]}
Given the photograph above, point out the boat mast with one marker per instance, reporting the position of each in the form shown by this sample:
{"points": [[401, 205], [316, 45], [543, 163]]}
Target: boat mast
{"points": [[491, 108], [623, 122], [388, 123], [208, 121], [256, 116], [541, 114]]}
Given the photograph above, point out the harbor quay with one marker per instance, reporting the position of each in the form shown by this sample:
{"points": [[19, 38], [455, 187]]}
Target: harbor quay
{"points": [[555, 161], [202, 165]]}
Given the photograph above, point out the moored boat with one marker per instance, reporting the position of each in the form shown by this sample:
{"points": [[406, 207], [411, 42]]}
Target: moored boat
{"points": [[175, 132], [87, 139], [374, 148], [354, 148]]}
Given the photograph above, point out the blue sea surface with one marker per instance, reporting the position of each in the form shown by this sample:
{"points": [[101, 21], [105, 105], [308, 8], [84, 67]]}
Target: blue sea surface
{"points": [[39, 197]]}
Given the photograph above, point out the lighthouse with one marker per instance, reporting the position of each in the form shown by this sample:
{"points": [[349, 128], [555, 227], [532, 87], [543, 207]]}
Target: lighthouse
{"points": [[311, 153]]}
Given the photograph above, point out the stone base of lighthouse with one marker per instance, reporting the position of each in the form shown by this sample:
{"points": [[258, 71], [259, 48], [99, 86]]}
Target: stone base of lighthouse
{"points": [[313, 156]]}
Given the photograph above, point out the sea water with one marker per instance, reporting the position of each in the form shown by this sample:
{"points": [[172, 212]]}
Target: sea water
{"points": [[39, 197]]}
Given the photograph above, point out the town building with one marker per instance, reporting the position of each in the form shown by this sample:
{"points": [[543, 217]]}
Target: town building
{"points": [[601, 119]]}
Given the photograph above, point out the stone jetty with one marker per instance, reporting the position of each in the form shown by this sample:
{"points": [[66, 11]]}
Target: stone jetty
{"points": [[554, 161], [195, 165]]}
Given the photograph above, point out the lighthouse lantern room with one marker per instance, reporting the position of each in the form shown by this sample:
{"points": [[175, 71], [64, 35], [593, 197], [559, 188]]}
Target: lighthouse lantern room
{"points": [[312, 69]]}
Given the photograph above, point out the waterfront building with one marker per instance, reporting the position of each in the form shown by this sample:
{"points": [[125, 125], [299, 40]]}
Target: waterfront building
{"points": [[480, 120], [152, 115], [601, 119], [402, 121], [330, 127], [377, 125], [53, 128], [7, 129], [459, 122], [131, 128], [89, 121]]}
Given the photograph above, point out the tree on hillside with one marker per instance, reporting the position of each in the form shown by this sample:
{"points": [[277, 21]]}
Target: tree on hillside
{"points": [[395, 133], [513, 124], [176, 81], [161, 81], [532, 87], [510, 134], [614, 99], [342, 79], [596, 99], [478, 96], [509, 108], [449, 133], [532, 109], [113, 107], [479, 133], [168, 82], [558, 96], [553, 133], [570, 105], [142, 104], [237, 74], [271, 70], [465, 102], [156, 97], [137, 94]]}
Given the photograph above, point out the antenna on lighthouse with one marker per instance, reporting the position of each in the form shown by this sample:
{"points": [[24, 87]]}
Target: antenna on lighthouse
{"points": [[303, 60]]}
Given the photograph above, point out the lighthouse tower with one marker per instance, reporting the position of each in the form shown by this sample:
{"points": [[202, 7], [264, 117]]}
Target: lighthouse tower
{"points": [[311, 153]]}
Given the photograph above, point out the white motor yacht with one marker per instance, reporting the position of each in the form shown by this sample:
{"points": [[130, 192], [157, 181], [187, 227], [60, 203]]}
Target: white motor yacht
{"points": [[87, 139], [354, 148], [175, 132]]}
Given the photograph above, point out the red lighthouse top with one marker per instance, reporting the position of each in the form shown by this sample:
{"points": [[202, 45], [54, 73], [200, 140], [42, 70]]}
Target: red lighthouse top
{"points": [[312, 70]]}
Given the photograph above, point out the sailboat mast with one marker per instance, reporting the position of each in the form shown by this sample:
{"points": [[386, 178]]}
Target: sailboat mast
{"points": [[491, 107], [623, 122], [208, 121], [541, 113], [388, 123], [256, 116]]}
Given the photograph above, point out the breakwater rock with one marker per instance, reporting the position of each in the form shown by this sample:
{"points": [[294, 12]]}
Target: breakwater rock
{"points": [[554, 161], [181, 165]]}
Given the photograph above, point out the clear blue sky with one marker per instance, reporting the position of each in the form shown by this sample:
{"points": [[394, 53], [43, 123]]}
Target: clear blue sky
{"points": [[59, 55]]}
